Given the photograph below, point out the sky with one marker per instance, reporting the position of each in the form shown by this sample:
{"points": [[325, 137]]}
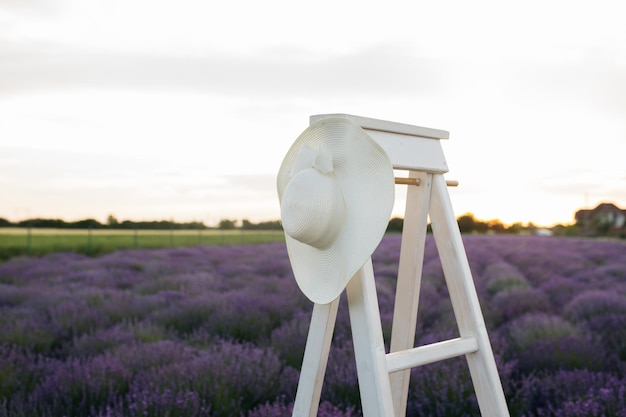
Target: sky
{"points": [[183, 110]]}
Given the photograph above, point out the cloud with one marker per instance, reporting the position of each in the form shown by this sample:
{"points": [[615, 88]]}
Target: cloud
{"points": [[33, 7], [78, 185], [376, 70], [592, 78]]}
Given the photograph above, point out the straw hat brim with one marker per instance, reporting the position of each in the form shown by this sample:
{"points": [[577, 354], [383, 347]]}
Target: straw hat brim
{"points": [[365, 175]]}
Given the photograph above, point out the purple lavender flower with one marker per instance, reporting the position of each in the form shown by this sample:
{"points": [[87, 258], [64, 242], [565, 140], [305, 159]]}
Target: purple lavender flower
{"points": [[215, 331], [282, 409], [571, 393], [510, 304], [594, 303]]}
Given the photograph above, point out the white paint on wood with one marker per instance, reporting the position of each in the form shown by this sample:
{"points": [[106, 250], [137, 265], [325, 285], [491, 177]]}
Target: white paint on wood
{"points": [[434, 352], [315, 359], [465, 302], [409, 147], [409, 281], [368, 123], [369, 346]]}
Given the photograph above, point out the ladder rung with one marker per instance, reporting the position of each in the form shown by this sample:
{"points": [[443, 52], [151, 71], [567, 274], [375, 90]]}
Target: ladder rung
{"points": [[422, 355], [417, 182]]}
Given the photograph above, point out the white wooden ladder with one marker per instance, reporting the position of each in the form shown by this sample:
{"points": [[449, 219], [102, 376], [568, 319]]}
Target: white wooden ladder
{"points": [[384, 377]]}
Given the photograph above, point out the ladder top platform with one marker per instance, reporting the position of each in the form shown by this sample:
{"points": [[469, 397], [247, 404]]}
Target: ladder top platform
{"points": [[386, 126], [409, 147]]}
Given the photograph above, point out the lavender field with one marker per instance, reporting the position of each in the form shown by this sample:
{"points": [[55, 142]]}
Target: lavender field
{"points": [[220, 331]]}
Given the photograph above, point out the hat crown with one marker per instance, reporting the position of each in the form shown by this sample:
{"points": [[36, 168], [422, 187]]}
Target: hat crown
{"points": [[336, 189], [312, 208]]}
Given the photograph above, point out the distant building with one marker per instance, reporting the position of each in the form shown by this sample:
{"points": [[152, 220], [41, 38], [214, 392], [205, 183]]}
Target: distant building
{"points": [[605, 219], [543, 232]]}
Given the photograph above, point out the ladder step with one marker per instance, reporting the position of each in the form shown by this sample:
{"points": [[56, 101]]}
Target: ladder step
{"points": [[422, 355]]}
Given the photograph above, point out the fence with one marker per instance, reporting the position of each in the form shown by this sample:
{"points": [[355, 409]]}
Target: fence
{"points": [[37, 241]]}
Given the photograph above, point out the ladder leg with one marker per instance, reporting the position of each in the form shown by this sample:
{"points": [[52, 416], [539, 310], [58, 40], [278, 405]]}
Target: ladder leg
{"points": [[315, 359], [465, 303], [369, 347], [408, 283]]}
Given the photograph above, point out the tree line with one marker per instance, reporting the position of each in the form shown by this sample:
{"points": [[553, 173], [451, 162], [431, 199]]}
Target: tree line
{"points": [[113, 223], [467, 222], [95, 224]]}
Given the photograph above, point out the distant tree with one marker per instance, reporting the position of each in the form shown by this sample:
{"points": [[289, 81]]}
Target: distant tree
{"points": [[268, 225], [467, 223], [112, 221], [480, 226], [5, 223], [495, 225], [395, 225], [85, 224], [226, 224], [194, 225], [515, 228], [47, 223], [127, 224]]}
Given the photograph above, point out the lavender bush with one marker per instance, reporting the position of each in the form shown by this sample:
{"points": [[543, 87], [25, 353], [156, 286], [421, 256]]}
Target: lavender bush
{"points": [[220, 331]]}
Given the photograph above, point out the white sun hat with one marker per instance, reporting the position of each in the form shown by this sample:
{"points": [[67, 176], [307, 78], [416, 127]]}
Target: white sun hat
{"points": [[336, 192]]}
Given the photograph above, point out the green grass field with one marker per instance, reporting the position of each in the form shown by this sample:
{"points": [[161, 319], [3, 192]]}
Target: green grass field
{"points": [[36, 241]]}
